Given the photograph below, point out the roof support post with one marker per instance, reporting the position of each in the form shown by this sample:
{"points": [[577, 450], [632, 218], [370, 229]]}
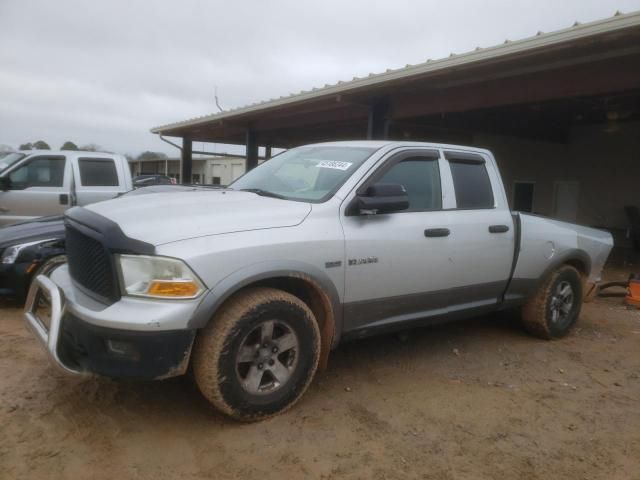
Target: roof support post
{"points": [[186, 160], [267, 152], [252, 149], [378, 125]]}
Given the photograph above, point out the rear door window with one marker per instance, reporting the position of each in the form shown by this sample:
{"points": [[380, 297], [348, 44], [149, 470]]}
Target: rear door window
{"points": [[98, 172], [471, 182]]}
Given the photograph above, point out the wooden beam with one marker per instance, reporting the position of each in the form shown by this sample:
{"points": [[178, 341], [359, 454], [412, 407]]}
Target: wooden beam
{"points": [[252, 149], [339, 113], [187, 160], [581, 80], [378, 123]]}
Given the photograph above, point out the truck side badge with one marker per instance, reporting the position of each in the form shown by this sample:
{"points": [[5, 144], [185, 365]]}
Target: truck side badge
{"points": [[362, 261], [335, 263]]}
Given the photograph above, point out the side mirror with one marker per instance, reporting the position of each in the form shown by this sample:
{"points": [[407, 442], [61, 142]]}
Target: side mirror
{"points": [[5, 183], [383, 198]]}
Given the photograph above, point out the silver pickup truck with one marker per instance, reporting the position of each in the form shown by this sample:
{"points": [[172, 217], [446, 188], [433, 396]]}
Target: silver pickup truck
{"points": [[38, 183], [253, 285]]}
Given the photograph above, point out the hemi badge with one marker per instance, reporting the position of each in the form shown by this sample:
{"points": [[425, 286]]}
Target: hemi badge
{"points": [[336, 263]]}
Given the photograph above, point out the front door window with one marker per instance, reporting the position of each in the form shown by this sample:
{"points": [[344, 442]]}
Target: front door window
{"points": [[38, 172]]}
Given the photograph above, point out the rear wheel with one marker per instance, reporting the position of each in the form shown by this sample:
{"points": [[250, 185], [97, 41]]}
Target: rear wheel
{"points": [[258, 354], [555, 307]]}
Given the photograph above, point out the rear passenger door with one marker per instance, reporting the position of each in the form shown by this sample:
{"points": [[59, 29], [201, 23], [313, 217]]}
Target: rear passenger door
{"points": [[482, 236], [96, 179]]}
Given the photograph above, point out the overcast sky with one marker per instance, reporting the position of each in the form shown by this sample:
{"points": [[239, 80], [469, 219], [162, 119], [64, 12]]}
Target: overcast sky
{"points": [[106, 72]]}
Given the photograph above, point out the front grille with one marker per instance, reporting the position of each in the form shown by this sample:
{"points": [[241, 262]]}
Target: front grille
{"points": [[90, 265]]}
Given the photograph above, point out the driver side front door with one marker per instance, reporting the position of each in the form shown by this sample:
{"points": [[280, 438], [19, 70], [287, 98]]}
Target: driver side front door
{"points": [[397, 264], [37, 187]]}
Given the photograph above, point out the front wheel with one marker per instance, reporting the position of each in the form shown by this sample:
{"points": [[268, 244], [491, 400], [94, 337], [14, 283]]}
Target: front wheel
{"points": [[556, 305], [258, 354]]}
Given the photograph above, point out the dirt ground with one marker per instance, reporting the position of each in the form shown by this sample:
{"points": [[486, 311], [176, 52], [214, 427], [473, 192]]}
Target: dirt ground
{"points": [[474, 400]]}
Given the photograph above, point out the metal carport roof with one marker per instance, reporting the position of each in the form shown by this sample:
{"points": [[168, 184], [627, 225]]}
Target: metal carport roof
{"points": [[604, 39]]}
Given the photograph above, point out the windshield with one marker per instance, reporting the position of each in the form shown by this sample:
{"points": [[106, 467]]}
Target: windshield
{"points": [[8, 159], [305, 174]]}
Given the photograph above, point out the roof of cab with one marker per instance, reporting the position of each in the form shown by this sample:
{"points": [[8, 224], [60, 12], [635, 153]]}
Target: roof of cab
{"points": [[377, 144], [65, 152]]}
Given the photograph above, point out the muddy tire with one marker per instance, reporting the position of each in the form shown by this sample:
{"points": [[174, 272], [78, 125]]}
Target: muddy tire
{"points": [[556, 305], [258, 355]]}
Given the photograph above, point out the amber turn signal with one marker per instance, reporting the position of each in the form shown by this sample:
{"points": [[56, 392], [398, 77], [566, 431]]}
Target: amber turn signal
{"points": [[32, 267], [173, 289]]}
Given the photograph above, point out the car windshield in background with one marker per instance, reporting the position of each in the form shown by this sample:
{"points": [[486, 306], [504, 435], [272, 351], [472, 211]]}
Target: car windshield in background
{"points": [[304, 174], [9, 159]]}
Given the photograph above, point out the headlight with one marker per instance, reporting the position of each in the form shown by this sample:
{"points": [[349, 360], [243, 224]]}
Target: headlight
{"points": [[10, 254], [158, 277]]}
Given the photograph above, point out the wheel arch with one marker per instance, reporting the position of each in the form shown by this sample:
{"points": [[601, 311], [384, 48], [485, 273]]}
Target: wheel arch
{"points": [[520, 289], [580, 263], [576, 258], [306, 282], [35, 264]]}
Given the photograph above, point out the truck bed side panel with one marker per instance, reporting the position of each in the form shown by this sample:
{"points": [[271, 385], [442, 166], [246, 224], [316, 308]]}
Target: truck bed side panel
{"points": [[545, 244]]}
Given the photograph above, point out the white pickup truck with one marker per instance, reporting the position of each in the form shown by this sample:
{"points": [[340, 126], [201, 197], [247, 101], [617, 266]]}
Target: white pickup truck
{"points": [[43, 182], [253, 285]]}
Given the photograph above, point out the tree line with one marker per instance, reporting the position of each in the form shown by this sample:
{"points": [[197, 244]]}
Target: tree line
{"points": [[68, 145], [91, 147]]}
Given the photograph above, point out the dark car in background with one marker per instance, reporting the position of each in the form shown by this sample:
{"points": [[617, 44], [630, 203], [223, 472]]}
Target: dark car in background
{"points": [[33, 247], [148, 180], [25, 248]]}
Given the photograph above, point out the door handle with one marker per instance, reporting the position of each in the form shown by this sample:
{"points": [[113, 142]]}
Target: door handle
{"points": [[64, 199], [498, 229], [436, 232], [3, 210]]}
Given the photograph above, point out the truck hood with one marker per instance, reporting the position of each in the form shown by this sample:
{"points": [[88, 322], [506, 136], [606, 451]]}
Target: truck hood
{"points": [[160, 218]]}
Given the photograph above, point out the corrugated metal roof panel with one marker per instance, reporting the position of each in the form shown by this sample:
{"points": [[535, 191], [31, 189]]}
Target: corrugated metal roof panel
{"points": [[577, 31]]}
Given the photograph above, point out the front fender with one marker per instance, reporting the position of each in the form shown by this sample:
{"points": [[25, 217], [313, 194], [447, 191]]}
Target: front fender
{"points": [[249, 275]]}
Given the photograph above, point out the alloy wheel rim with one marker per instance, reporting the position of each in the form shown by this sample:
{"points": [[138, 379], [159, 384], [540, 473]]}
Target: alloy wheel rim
{"points": [[562, 303], [267, 357]]}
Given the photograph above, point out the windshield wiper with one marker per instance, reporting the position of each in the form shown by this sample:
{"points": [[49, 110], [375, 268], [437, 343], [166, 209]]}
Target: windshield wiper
{"points": [[263, 193]]}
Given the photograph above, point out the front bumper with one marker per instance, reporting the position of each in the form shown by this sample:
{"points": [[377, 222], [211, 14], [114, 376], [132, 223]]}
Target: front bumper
{"points": [[79, 341]]}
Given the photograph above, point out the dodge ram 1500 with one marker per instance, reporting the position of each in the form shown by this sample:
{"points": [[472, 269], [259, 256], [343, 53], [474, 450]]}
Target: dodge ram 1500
{"points": [[253, 285]]}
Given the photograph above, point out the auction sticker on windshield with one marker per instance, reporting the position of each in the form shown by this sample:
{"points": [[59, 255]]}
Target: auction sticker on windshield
{"points": [[335, 164]]}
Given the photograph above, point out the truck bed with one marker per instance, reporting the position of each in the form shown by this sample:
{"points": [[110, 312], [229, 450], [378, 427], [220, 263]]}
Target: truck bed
{"points": [[542, 244]]}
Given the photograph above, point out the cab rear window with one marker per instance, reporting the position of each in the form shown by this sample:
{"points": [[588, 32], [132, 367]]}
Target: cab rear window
{"points": [[98, 172]]}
